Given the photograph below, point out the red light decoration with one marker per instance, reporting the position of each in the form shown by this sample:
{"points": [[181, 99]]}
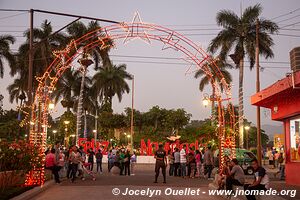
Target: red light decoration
{"points": [[64, 59]]}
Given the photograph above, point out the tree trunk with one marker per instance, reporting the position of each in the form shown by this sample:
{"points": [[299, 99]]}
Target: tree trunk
{"points": [[213, 105], [241, 104], [79, 108], [85, 125]]}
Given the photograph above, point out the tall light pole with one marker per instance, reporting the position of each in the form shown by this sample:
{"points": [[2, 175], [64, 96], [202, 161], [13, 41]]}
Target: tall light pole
{"points": [[247, 136], [132, 109], [66, 132], [259, 147], [54, 134], [96, 128], [95, 138]]}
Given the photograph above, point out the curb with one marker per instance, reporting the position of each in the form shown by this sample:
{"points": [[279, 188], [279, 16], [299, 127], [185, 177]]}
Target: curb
{"points": [[35, 191]]}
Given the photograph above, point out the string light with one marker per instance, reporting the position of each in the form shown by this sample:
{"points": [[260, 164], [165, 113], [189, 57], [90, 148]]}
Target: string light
{"points": [[195, 56], [134, 30]]}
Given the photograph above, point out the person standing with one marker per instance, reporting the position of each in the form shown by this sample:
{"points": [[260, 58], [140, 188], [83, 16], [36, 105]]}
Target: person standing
{"points": [[208, 162], [183, 163], [91, 155], [132, 163], [75, 158], [198, 162], [281, 161], [161, 160], [176, 162], [99, 157], [192, 164], [52, 164], [276, 156], [121, 161], [110, 160], [261, 180], [127, 163], [171, 163]]}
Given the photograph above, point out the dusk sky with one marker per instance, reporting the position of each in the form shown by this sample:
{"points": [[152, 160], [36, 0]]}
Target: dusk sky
{"points": [[166, 85]]}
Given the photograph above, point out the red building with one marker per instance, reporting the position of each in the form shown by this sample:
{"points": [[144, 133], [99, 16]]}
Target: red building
{"points": [[283, 98]]}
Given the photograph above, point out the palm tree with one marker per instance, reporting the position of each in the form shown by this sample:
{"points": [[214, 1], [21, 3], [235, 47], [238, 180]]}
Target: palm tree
{"points": [[77, 30], [66, 88], [206, 80], [17, 90], [239, 34], [5, 52], [111, 81], [44, 44]]}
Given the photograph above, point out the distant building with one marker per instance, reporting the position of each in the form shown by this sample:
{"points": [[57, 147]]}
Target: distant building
{"points": [[279, 141]]}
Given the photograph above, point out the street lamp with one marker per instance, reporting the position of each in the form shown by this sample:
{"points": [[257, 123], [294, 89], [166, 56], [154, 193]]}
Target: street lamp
{"points": [[66, 130], [247, 136], [54, 134], [205, 100], [51, 106], [128, 137], [95, 138]]}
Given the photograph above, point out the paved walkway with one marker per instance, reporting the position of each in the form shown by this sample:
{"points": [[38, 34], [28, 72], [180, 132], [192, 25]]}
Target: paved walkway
{"points": [[105, 185]]}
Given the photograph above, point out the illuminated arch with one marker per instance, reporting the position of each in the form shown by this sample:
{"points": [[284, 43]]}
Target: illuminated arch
{"points": [[127, 31]]}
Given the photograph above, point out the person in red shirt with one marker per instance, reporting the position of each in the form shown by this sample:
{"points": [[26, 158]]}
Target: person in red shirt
{"points": [[52, 165]]}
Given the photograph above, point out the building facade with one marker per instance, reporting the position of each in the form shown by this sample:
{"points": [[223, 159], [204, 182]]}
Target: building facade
{"points": [[283, 99]]}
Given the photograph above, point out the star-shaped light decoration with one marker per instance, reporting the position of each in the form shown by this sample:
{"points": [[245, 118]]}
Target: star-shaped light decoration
{"points": [[62, 53], [192, 63], [134, 30], [104, 42], [191, 66], [168, 41]]}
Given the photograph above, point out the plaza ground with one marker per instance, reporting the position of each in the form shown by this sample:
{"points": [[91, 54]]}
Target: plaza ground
{"points": [[143, 179]]}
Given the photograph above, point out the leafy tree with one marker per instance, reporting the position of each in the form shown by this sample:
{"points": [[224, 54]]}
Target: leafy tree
{"points": [[9, 125]]}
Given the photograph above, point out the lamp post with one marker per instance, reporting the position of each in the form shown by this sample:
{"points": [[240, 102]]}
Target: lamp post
{"points": [[51, 106], [66, 132], [206, 100], [247, 136], [95, 138], [128, 137], [132, 112], [125, 134], [111, 141], [54, 134]]}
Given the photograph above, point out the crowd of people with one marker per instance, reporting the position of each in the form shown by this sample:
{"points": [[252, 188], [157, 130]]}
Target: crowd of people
{"points": [[191, 164], [75, 162]]}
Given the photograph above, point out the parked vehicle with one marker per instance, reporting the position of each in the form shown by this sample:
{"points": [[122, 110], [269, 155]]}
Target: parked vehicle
{"points": [[244, 158]]}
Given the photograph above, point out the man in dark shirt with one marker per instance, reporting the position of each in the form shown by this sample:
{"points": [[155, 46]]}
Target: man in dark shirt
{"points": [[161, 160], [261, 180]]}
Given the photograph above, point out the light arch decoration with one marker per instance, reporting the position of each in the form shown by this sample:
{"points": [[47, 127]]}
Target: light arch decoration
{"points": [[194, 55]]}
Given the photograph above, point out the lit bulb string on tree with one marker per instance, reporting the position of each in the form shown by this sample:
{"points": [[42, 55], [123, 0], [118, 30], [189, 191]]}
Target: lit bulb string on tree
{"points": [[136, 30]]}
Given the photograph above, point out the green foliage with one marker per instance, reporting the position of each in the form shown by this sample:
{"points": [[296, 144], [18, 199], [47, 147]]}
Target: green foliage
{"points": [[253, 137], [62, 127], [9, 125], [18, 157]]}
